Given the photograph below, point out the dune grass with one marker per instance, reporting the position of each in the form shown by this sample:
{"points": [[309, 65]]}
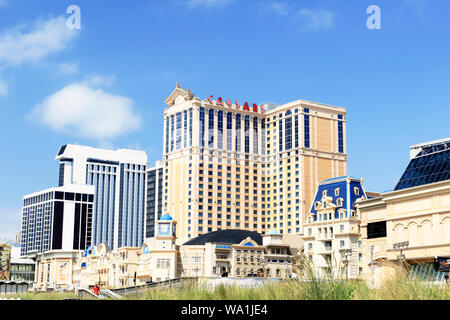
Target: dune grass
{"points": [[397, 286]]}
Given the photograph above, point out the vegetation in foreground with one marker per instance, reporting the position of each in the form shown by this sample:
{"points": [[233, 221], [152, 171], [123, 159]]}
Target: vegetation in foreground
{"points": [[394, 289], [397, 287]]}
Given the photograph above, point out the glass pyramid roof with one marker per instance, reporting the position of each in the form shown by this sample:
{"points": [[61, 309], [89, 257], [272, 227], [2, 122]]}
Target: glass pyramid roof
{"points": [[431, 165]]}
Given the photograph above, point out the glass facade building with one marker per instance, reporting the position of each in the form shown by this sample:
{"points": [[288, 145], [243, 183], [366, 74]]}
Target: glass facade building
{"points": [[429, 164], [154, 199]]}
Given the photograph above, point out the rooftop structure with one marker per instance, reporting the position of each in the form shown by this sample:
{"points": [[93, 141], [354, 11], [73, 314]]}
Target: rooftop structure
{"points": [[430, 163], [226, 236]]}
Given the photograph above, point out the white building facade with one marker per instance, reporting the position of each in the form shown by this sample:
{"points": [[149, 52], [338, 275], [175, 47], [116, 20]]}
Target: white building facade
{"points": [[119, 180], [57, 219], [332, 231]]}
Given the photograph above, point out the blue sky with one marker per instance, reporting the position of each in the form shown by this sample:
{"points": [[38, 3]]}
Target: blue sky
{"points": [[56, 83]]}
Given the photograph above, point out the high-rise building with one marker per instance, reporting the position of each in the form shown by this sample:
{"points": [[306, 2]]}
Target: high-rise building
{"points": [[119, 180], [57, 219], [154, 198], [243, 166]]}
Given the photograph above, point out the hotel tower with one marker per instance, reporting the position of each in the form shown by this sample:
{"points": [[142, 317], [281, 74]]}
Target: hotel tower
{"points": [[237, 165], [119, 180]]}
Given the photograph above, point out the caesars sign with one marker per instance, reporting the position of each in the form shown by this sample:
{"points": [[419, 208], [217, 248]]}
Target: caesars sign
{"points": [[245, 107]]}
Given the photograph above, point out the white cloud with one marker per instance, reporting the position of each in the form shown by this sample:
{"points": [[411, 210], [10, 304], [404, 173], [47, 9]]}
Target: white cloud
{"points": [[279, 7], [209, 3], [315, 20], [68, 68], [87, 112], [31, 44], [96, 80]]}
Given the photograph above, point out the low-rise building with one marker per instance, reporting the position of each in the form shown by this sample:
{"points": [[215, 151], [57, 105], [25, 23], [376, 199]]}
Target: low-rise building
{"points": [[332, 230], [236, 253], [54, 270], [410, 226], [22, 270]]}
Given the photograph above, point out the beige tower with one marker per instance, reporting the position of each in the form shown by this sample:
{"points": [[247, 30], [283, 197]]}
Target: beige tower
{"points": [[237, 165], [163, 250]]}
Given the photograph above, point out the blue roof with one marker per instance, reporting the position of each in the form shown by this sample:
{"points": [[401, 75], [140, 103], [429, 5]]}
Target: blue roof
{"points": [[346, 192], [339, 179], [166, 217]]}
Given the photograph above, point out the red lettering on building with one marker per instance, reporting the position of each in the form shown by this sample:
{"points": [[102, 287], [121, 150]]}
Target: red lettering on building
{"points": [[262, 109], [246, 107]]}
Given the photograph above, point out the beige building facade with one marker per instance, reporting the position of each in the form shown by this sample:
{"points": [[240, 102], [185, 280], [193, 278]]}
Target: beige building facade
{"points": [[416, 219], [239, 253], [231, 165], [54, 270], [410, 226]]}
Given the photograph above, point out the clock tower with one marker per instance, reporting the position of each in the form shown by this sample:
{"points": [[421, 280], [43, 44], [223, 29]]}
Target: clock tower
{"points": [[166, 228], [164, 251]]}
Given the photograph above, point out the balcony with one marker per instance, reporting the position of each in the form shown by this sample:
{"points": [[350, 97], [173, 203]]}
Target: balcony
{"points": [[326, 236], [326, 250]]}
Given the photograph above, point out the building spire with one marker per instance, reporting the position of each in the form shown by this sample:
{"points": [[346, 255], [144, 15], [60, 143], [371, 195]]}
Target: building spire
{"points": [[178, 85]]}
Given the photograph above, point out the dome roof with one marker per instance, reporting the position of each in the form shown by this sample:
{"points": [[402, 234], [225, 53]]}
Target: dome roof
{"points": [[232, 236], [166, 217]]}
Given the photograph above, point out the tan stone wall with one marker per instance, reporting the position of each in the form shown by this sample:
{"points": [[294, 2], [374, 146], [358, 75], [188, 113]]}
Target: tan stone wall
{"points": [[419, 215]]}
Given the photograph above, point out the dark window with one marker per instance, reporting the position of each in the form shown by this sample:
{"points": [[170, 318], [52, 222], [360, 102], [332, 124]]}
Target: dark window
{"points": [[202, 127], [62, 149], [247, 134], [83, 228], [376, 230], [70, 196], [306, 128], [59, 195], [58, 218], [61, 174], [341, 136], [76, 229]]}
